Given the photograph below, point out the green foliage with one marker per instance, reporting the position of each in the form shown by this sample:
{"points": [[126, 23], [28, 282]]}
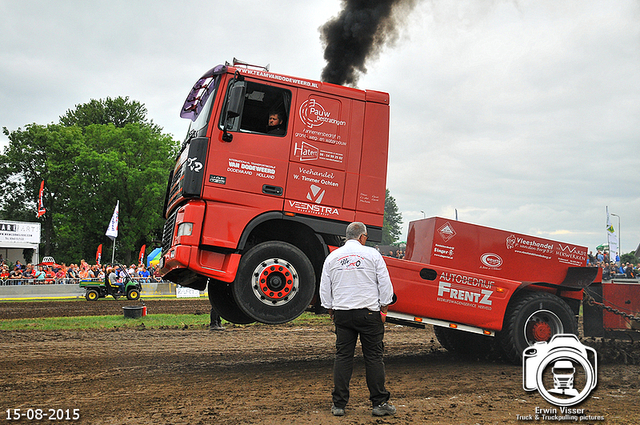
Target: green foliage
{"points": [[34, 154], [119, 112], [87, 167], [391, 228], [629, 258]]}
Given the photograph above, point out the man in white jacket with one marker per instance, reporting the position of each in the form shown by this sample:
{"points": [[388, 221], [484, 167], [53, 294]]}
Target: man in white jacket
{"points": [[356, 289]]}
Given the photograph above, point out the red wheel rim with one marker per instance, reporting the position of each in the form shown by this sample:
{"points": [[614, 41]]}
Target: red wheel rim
{"points": [[541, 331], [275, 281]]}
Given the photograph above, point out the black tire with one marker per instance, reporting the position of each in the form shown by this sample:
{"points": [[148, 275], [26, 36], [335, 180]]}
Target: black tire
{"points": [[92, 295], [133, 294], [275, 282], [534, 317], [465, 344], [221, 299]]}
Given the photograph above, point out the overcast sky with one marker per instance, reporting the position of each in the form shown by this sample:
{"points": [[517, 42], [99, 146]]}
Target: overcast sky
{"points": [[521, 115]]}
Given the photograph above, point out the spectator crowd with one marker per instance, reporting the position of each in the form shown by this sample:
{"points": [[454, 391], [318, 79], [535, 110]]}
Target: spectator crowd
{"points": [[613, 269], [21, 274]]}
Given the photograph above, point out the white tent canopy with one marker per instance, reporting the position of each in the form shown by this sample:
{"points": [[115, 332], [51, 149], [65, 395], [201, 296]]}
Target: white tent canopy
{"points": [[15, 236]]}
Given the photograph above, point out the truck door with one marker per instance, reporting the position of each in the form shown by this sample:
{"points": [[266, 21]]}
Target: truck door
{"points": [[250, 156]]}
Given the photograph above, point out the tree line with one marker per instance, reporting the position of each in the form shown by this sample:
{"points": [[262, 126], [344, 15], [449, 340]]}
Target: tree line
{"points": [[99, 153]]}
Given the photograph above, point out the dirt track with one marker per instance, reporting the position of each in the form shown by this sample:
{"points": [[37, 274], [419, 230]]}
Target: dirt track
{"points": [[263, 375]]}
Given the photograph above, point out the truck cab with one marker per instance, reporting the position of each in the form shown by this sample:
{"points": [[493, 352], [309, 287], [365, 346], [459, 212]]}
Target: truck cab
{"points": [[251, 208]]}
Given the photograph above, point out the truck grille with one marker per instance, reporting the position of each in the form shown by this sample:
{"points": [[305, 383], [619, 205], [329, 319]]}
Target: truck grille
{"points": [[175, 188], [167, 233]]}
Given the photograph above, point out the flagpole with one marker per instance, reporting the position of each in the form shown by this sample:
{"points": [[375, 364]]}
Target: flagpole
{"points": [[112, 230]]}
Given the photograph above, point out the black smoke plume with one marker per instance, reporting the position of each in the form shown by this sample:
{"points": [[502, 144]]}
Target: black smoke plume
{"points": [[357, 34]]}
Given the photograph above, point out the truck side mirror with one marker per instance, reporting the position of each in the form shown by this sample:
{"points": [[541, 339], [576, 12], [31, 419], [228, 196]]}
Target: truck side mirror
{"points": [[235, 104], [236, 99]]}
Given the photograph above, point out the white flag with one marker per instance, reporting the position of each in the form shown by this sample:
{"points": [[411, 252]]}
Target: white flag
{"points": [[112, 230], [612, 240]]}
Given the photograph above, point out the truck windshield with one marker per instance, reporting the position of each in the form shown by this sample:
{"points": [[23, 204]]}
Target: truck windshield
{"points": [[197, 106], [203, 117]]}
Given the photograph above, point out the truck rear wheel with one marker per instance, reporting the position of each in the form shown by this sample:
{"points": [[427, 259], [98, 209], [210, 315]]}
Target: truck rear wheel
{"points": [[221, 299], [534, 317], [275, 282]]}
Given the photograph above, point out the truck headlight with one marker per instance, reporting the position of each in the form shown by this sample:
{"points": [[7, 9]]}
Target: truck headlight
{"points": [[185, 229]]}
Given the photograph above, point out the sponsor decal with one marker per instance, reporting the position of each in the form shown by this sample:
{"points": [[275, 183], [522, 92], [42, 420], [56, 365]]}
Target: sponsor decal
{"points": [[217, 179], [491, 260], [443, 251], [307, 152], [309, 175], [365, 198], [572, 255], [454, 295], [251, 168], [528, 246], [194, 165], [312, 114], [321, 136], [315, 194], [564, 372], [567, 254], [350, 262], [518, 241], [465, 290], [281, 78], [307, 208], [446, 232]]}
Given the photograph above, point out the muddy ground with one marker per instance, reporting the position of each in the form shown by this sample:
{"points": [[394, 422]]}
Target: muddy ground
{"points": [[267, 375]]}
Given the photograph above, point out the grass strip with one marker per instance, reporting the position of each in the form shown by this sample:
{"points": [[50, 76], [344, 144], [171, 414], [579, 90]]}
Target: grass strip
{"points": [[152, 321]]}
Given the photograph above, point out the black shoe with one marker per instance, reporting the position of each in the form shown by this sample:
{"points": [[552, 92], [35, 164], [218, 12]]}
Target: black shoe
{"points": [[337, 411], [216, 328], [384, 409]]}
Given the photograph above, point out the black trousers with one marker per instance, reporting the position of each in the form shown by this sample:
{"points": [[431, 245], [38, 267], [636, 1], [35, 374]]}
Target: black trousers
{"points": [[215, 318], [368, 324]]}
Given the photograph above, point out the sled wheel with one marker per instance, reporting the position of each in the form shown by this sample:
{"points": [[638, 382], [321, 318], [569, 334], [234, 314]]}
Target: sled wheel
{"points": [[133, 294], [221, 299], [92, 295], [534, 317], [275, 282]]}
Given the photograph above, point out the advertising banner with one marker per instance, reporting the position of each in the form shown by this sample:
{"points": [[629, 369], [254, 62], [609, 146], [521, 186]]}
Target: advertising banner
{"points": [[19, 232]]}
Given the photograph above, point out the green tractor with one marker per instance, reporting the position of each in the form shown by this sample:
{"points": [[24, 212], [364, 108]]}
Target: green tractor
{"points": [[101, 289]]}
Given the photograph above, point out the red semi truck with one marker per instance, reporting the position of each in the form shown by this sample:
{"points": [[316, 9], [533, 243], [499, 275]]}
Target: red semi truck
{"points": [[252, 210]]}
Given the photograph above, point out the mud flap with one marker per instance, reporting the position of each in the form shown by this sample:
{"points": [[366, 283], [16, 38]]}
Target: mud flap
{"points": [[578, 278]]}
